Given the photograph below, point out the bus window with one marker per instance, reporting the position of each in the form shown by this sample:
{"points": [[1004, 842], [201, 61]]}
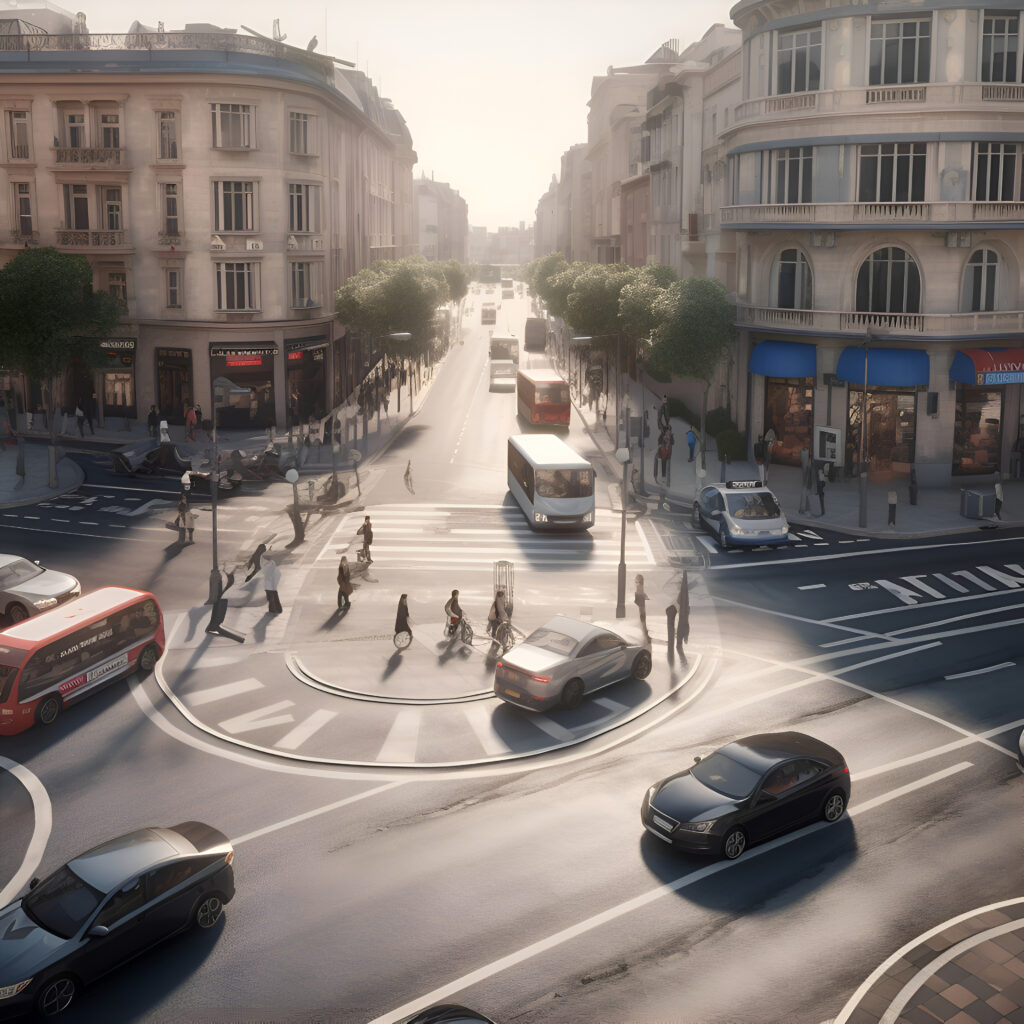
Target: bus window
{"points": [[565, 483], [550, 393]]}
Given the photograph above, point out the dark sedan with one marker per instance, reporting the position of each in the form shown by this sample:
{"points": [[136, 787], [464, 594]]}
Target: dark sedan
{"points": [[164, 458], [748, 791], [106, 906]]}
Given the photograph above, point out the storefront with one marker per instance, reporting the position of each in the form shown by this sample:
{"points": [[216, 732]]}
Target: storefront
{"points": [[243, 385], [789, 369], [117, 378], [894, 377], [306, 378], [174, 387]]}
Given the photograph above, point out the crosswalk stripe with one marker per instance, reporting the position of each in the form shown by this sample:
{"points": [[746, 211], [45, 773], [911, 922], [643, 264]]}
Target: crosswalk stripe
{"points": [[304, 730], [553, 729], [213, 693], [480, 717], [402, 738]]}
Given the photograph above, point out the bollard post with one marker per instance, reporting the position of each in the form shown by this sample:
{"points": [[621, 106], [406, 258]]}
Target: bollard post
{"points": [[725, 467], [913, 485], [892, 509]]}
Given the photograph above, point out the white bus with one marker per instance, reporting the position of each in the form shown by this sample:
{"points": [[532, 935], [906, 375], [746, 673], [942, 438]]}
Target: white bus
{"points": [[553, 485], [504, 359]]}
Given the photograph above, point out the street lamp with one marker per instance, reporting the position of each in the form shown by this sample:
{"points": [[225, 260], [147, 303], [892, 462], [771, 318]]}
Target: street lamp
{"points": [[862, 518], [622, 454], [216, 582], [292, 476]]}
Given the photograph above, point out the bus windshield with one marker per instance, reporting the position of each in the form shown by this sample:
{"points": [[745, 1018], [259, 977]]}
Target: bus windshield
{"points": [[550, 394], [503, 348], [565, 483]]}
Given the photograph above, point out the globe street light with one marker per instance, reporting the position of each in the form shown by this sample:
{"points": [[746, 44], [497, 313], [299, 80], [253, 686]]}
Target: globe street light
{"points": [[622, 454]]}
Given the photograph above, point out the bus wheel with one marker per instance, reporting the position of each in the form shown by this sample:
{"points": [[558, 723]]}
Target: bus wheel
{"points": [[148, 658], [49, 710]]}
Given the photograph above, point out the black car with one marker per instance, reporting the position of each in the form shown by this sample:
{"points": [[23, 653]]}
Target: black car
{"points": [[748, 791], [164, 458], [103, 908], [448, 1013]]}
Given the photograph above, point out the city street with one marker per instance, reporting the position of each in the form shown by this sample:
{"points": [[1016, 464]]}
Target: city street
{"points": [[404, 838]]}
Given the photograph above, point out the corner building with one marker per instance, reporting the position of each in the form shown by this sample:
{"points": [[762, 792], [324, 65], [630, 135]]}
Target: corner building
{"points": [[222, 186], [874, 191]]}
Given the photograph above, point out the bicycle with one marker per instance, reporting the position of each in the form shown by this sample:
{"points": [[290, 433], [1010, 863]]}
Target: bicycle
{"points": [[465, 630], [504, 636]]}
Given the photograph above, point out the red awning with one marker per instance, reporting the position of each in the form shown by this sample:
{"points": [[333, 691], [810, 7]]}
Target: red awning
{"points": [[981, 366]]}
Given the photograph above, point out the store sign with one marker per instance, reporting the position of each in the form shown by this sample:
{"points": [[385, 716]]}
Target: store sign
{"points": [[828, 445], [1007, 377], [243, 362], [220, 351], [172, 353], [119, 344]]}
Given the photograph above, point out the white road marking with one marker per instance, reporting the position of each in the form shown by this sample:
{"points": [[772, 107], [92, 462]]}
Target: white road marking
{"points": [[643, 541], [707, 542], [258, 718], [444, 992], [611, 705], [42, 824], [553, 729], [980, 671], [214, 693], [403, 737], [480, 717], [302, 732], [812, 586]]}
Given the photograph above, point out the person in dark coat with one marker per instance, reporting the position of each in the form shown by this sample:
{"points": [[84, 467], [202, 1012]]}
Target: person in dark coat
{"points": [[366, 532], [182, 518], [670, 615], [344, 585], [254, 563], [89, 406], [683, 611], [402, 624], [271, 581], [640, 600], [821, 488], [153, 421], [80, 416]]}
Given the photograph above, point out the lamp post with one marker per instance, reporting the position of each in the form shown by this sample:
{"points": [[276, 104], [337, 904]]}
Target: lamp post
{"points": [[215, 577], [622, 454], [292, 476], [862, 517]]}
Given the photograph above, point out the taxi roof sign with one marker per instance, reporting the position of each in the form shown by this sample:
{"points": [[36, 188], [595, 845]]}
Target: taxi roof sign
{"points": [[743, 484]]}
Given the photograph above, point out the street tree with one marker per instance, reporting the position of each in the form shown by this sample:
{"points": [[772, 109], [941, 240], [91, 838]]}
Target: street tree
{"points": [[540, 273]]}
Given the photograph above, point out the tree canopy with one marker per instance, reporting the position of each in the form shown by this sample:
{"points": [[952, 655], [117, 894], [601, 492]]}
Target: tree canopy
{"points": [[696, 326]]}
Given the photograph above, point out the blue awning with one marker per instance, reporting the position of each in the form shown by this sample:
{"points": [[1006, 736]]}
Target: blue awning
{"points": [[784, 359], [887, 367]]}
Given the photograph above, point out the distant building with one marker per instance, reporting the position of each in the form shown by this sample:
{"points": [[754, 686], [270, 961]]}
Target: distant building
{"points": [[443, 219]]}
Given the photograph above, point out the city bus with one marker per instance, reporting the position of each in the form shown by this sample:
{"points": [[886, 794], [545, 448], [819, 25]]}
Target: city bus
{"points": [[63, 655], [535, 338], [504, 359], [553, 485], [543, 397]]}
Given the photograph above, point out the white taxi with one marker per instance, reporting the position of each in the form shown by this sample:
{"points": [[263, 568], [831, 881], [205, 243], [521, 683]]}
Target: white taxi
{"points": [[741, 513]]}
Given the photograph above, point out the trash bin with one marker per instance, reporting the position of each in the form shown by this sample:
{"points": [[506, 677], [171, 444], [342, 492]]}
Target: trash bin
{"points": [[977, 503]]}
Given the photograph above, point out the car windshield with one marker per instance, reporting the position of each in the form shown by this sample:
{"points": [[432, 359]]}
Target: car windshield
{"points": [[62, 903], [18, 571], [726, 776], [7, 674], [549, 640], [565, 483], [752, 505]]}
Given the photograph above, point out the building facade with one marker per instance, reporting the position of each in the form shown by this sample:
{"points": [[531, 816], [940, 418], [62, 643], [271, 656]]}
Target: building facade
{"points": [[222, 186], [443, 221]]}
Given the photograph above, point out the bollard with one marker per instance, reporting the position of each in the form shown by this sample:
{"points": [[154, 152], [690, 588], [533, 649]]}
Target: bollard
{"points": [[725, 470], [913, 486], [892, 509]]}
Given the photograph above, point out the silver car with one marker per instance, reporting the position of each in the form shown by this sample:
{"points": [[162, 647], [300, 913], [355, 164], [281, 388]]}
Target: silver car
{"points": [[26, 588], [565, 659]]}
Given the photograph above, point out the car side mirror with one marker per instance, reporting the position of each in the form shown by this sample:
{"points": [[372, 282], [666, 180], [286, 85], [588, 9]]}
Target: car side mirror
{"points": [[98, 931]]}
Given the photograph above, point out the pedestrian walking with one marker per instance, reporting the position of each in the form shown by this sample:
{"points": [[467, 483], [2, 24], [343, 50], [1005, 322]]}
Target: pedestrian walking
{"points": [[997, 487], [181, 518], [408, 477], [691, 440], [80, 416], [770, 438], [190, 423], [821, 488], [253, 565], [190, 525], [497, 613], [366, 532], [198, 410], [153, 421], [683, 613], [271, 580], [663, 455], [640, 600], [663, 415], [344, 585], [402, 624], [670, 615], [89, 408]]}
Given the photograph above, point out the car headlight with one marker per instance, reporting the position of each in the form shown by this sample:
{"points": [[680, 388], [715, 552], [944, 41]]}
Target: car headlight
{"points": [[651, 792], [12, 990], [45, 602], [698, 826], [589, 517], [539, 517]]}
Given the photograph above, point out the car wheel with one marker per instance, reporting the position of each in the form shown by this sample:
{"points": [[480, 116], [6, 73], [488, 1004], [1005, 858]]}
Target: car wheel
{"points": [[17, 612], [642, 665], [734, 844], [148, 658], [208, 912], [572, 694], [49, 710], [695, 516], [835, 804], [56, 996]]}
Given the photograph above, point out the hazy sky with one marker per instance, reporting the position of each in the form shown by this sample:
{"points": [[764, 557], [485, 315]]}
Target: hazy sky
{"points": [[493, 91]]}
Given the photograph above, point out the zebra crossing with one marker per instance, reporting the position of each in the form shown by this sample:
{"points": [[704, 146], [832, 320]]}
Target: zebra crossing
{"points": [[424, 536]]}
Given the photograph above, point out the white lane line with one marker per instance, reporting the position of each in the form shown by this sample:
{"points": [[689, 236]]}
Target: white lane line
{"points": [[980, 671], [402, 739], [258, 718], [895, 609], [706, 541], [643, 541], [553, 729], [637, 902], [144, 490], [812, 586], [294, 739], [42, 824], [214, 693], [61, 520], [480, 717], [863, 540], [31, 517], [611, 705], [845, 541]]}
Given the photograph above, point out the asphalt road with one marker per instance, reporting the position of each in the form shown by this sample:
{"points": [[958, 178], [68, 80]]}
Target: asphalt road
{"points": [[528, 888]]}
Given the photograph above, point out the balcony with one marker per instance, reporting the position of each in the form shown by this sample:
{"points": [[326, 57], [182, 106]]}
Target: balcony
{"points": [[924, 325], [25, 238], [86, 239], [837, 215], [89, 156]]}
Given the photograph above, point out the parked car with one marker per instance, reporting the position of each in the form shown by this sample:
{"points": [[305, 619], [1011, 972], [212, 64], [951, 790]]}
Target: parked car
{"points": [[26, 588], [747, 791], [105, 907], [448, 1013], [165, 458], [556, 665], [743, 513]]}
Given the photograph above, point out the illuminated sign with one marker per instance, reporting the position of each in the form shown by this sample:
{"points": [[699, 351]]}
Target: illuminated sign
{"points": [[243, 362], [1016, 377], [737, 485]]}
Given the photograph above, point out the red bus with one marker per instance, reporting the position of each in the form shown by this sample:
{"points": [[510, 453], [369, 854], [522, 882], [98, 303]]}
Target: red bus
{"points": [[63, 655], [543, 397]]}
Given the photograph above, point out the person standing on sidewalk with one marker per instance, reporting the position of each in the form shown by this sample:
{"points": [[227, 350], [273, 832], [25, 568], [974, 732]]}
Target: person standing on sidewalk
{"points": [[663, 415], [190, 525], [182, 518], [997, 487], [691, 440], [821, 488], [344, 585], [90, 411], [271, 581], [80, 416], [153, 421], [769, 442], [640, 600], [190, 423], [670, 615]]}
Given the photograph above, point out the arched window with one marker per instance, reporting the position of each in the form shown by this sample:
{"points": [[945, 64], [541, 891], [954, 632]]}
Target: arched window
{"points": [[979, 292], [792, 280], [889, 282]]}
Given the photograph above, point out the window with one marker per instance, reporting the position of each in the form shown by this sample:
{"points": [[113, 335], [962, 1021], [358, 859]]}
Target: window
{"points": [[995, 172], [798, 61], [172, 282], [900, 52], [237, 286], [793, 280], [112, 208], [17, 133], [889, 282], [169, 193], [892, 172], [977, 430], [76, 207], [303, 207], [117, 285], [232, 125], [23, 208], [110, 131], [305, 285], [791, 175], [234, 206], [999, 48], [44, 669], [167, 133], [300, 134], [74, 126], [979, 292], [122, 903]]}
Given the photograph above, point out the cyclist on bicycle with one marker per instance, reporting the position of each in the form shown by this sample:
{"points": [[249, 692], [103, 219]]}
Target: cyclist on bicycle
{"points": [[452, 614], [497, 613]]}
